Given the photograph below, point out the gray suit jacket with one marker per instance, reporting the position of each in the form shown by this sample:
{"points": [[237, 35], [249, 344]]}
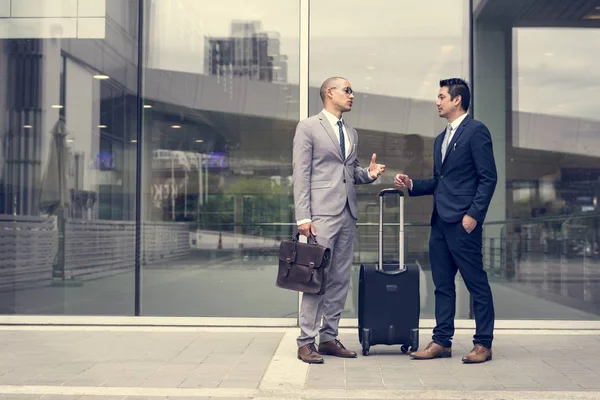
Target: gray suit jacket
{"points": [[322, 180]]}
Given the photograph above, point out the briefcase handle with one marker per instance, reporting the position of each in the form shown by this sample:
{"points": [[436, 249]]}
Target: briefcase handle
{"points": [[296, 238]]}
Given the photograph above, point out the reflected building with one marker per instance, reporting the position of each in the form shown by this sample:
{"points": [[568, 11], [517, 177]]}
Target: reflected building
{"points": [[248, 52]]}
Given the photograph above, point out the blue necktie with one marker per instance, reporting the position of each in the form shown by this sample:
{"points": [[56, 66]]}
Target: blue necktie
{"points": [[342, 144]]}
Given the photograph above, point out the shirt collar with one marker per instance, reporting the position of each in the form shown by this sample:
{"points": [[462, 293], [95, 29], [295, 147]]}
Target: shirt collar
{"points": [[458, 121], [333, 120]]}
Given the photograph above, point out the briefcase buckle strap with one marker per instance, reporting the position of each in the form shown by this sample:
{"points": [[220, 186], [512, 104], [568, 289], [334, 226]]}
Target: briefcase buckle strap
{"points": [[288, 260], [292, 259], [312, 270]]}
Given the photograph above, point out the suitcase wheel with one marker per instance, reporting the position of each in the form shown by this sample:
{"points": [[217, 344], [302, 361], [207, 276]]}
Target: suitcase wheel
{"points": [[414, 345], [415, 340], [366, 334]]}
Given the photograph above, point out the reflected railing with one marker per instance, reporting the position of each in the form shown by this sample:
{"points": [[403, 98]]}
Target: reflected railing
{"points": [[552, 257], [29, 251], [556, 258]]}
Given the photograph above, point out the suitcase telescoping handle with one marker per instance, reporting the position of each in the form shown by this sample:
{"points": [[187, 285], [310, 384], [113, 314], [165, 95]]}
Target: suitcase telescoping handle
{"points": [[382, 194]]}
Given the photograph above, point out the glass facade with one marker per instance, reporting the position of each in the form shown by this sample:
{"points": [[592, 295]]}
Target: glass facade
{"points": [[68, 89], [221, 95], [145, 164], [534, 79]]}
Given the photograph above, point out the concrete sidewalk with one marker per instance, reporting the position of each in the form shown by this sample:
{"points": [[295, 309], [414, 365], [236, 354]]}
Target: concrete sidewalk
{"points": [[107, 362]]}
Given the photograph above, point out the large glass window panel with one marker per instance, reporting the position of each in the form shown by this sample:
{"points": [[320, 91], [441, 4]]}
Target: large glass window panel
{"points": [[221, 105], [536, 80], [67, 172], [393, 54]]}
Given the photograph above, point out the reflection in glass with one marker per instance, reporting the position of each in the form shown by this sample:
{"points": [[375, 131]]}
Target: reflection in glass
{"points": [[555, 84], [221, 93], [534, 86], [67, 176]]}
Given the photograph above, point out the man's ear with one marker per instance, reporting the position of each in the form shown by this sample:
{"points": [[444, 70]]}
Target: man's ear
{"points": [[457, 99]]}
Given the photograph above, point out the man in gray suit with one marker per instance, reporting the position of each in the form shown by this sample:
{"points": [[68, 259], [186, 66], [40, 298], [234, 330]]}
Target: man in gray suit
{"points": [[325, 170]]}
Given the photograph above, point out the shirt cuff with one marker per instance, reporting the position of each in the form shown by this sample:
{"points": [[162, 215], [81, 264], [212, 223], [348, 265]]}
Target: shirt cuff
{"points": [[303, 221], [411, 184]]}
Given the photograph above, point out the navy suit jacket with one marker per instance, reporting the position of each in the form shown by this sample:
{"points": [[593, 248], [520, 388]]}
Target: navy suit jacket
{"points": [[465, 182]]}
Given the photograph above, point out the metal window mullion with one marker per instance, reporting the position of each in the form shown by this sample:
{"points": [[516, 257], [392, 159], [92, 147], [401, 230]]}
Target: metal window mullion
{"points": [[303, 83]]}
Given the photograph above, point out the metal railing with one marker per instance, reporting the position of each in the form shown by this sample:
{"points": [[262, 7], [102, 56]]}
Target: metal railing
{"points": [[558, 256]]}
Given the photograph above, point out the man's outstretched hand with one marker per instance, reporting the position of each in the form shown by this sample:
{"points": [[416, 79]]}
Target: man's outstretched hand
{"points": [[402, 181], [375, 170]]}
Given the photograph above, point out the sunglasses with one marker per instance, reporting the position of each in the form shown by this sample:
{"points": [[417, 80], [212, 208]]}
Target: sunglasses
{"points": [[346, 89]]}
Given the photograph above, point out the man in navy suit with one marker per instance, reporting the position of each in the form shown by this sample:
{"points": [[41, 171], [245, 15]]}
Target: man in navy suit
{"points": [[464, 180]]}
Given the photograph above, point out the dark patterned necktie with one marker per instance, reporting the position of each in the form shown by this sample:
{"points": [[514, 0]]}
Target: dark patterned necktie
{"points": [[342, 143]]}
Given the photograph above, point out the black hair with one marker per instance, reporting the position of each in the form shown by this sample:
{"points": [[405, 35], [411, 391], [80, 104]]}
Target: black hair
{"points": [[458, 87]]}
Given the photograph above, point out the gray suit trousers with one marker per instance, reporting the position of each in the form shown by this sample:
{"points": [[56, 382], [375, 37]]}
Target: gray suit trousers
{"points": [[337, 233]]}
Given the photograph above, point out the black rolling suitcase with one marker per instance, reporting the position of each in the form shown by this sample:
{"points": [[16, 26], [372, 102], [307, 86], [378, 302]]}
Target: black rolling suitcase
{"points": [[388, 295]]}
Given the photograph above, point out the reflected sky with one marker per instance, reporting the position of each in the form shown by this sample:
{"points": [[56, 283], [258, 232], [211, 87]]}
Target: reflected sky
{"points": [[392, 48], [556, 71], [398, 49]]}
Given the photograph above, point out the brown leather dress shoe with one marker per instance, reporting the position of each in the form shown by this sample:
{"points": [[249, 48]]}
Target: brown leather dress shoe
{"points": [[478, 355], [433, 350], [335, 348], [308, 354]]}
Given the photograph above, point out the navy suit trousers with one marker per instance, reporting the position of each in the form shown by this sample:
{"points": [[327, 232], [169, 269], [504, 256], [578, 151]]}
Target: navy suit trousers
{"points": [[452, 249]]}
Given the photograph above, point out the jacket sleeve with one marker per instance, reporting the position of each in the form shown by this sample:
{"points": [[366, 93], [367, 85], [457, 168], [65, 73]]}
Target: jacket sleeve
{"points": [[301, 170], [361, 175], [424, 187], [485, 166]]}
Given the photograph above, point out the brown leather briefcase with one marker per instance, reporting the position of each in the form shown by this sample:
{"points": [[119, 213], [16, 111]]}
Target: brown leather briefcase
{"points": [[303, 266]]}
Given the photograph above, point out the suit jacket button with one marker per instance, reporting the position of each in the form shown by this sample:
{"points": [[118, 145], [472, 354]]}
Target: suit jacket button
{"points": [[344, 181], [442, 177]]}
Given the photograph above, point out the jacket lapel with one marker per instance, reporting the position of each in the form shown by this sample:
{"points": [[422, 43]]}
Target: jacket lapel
{"points": [[329, 129], [437, 150], [455, 137]]}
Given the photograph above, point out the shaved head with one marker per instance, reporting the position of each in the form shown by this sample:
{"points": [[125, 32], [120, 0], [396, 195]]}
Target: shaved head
{"points": [[329, 82]]}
